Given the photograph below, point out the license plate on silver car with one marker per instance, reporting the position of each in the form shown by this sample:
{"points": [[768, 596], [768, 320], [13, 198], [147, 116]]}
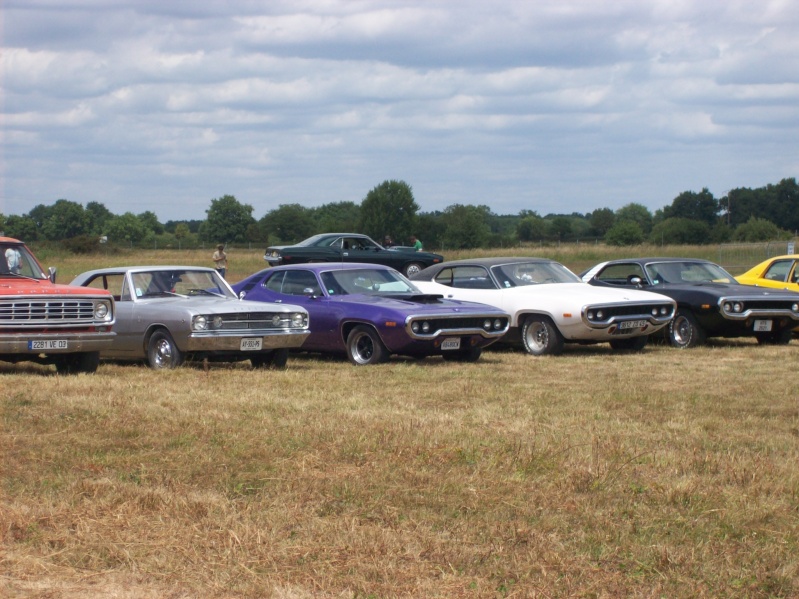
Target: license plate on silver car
{"points": [[452, 343], [252, 344], [762, 326], [632, 324]]}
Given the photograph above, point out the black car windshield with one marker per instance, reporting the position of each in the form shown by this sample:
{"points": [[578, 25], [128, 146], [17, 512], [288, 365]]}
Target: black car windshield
{"points": [[687, 271], [532, 273], [179, 282], [366, 281], [17, 261]]}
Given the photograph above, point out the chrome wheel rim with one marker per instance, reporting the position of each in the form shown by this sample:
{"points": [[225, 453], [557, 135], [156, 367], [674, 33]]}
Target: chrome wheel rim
{"points": [[363, 348], [537, 337], [163, 353]]}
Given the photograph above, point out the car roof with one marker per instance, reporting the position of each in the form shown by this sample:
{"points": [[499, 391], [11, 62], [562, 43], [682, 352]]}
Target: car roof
{"points": [[152, 267], [497, 261], [324, 267], [648, 260]]}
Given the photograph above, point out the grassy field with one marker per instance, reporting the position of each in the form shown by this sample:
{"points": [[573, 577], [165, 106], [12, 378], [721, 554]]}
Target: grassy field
{"points": [[594, 474]]}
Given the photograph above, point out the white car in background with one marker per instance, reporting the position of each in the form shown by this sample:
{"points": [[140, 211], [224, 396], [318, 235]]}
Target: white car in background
{"points": [[549, 305]]}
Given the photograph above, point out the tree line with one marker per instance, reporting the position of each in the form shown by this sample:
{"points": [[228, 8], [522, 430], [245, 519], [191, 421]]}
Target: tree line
{"points": [[389, 209]]}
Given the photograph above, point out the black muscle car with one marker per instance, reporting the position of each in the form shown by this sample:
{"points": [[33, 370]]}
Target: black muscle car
{"points": [[351, 247], [710, 302]]}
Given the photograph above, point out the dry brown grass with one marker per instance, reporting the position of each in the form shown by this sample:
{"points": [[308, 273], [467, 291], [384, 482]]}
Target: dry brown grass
{"points": [[662, 474]]}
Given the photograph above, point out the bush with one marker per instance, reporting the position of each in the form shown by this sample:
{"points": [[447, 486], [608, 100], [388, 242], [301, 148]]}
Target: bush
{"points": [[625, 232]]}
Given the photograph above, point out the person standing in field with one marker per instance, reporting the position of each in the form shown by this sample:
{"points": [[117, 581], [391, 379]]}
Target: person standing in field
{"points": [[417, 245], [220, 260]]}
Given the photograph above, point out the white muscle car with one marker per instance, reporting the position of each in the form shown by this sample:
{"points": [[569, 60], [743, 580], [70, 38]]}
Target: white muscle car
{"points": [[549, 305]]}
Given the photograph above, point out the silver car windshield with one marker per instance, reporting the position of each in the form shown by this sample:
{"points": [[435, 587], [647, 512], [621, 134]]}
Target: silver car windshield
{"points": [[366, 281], [179, 283], [532, 273], [661, 273]]}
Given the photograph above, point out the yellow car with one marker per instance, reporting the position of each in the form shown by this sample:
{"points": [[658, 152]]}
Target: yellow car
{"points": [[779, 272]]}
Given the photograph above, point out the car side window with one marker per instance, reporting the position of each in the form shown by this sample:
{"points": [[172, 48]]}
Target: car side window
{"points": [[778, 271], [620, 274], [298, 281], [109, 282], [275, 282], [468, 277]]}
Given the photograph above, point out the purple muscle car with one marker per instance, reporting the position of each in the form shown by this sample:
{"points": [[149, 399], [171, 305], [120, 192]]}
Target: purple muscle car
{"points": [[370, 312]]}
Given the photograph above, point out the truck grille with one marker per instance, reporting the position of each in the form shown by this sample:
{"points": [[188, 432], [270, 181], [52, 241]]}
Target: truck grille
{"points": [[38, 312]]}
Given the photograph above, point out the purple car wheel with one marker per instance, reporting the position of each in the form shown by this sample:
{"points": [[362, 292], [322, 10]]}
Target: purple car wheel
{"points": [[364, 346]]}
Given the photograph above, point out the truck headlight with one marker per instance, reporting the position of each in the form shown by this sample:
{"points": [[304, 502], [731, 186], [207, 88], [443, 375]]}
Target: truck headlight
{"points": [[101, 311]]}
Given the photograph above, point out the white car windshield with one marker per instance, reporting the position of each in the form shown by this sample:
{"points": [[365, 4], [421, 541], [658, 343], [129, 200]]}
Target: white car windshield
{"points": [[533, 273], [180, 283], [366, 281]]}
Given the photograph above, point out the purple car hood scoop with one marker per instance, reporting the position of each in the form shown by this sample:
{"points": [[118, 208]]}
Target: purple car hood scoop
{"points": [[419, 298]]}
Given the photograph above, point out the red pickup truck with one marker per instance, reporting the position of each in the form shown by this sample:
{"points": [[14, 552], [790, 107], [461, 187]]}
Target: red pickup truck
{"points": [[47, 323]]}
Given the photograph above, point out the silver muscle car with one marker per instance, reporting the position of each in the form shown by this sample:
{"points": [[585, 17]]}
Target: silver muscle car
{"points": [[167, 314]]}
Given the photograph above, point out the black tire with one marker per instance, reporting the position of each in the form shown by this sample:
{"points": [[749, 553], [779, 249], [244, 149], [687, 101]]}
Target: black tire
{"points": [[685, 332], [412, 268], [364, 346], [76, 363], [470, 354], [630, 343], [275, 359], [541, 337], [162, 353], [780, 337]]}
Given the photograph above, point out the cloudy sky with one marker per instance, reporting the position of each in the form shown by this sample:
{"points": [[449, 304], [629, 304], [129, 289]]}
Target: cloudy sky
{"points": [[557, 106]]}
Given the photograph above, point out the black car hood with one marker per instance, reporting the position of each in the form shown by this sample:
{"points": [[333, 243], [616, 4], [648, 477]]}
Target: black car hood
{"points": [[721, 289]]}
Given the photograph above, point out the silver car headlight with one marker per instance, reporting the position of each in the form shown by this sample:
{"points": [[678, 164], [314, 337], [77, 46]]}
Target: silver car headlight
{"points": [[299, 320], [498, 324], [199, 323]]}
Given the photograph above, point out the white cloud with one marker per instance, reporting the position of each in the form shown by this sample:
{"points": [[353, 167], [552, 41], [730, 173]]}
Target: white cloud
{"points": [[551, 105]]}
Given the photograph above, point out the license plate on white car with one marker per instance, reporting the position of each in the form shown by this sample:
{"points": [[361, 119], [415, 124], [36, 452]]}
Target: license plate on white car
{"points": [[632, 324], [762, 326], [252, 344], [452, 343], [48, 344]]}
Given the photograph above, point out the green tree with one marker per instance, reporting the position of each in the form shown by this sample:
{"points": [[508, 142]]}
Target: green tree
{"points": [[602, 219], [466, 226], [127, 227], [560, 227], [700, 206], [227, 220], [288, 223], [638, 213], [759, 229], [97, 216], [67, 219], [532, 228], [430, 228], [389, 209], [624, 232], [150, 221], [21, 227], [675, 231], [337, 217]]}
